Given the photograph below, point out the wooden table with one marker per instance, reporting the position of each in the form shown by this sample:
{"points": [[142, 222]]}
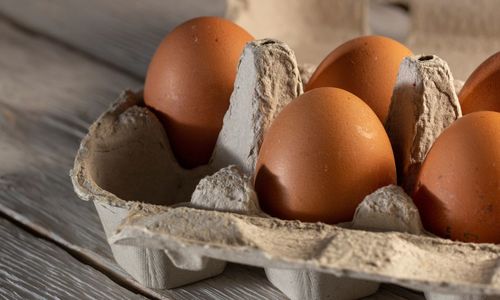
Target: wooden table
{"points": [[53, 84]]}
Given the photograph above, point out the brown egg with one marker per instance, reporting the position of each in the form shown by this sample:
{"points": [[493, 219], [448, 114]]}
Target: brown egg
{"points": [[481, 91], [321, 156], [367, 67], [189, 82], [458, 188]]}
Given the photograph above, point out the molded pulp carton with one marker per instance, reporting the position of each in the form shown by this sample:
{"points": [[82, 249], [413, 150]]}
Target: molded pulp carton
{"points": [[168, 226]]}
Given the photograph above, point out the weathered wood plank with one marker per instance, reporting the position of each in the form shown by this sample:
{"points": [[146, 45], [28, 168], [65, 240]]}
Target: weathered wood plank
{"points": [[124, 32], [31, 268], [48, 97]]}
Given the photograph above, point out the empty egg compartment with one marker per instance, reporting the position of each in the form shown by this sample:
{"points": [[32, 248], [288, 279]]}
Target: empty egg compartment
{"points": [[126, 159]]}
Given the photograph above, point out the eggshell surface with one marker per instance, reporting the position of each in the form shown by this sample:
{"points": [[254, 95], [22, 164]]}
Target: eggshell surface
{"points": [[321, 156], [365, 66], [189, 82], [458, 187], [481, 91]]}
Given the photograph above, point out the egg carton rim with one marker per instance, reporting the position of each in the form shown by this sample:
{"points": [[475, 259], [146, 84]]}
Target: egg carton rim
{"points": [[158, 236], [83, 184]]}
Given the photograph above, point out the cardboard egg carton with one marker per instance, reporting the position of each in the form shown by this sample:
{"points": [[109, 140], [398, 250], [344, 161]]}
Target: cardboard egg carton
{"points": [[168, 226], [125, 159]]}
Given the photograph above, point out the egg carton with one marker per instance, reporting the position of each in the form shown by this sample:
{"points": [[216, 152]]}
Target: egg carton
{"points": [[168, 226]]}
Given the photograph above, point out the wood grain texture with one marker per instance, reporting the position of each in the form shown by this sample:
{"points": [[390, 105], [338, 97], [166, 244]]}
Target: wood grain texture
{"points": [[124, 32], [31, 268], [48, 98]]}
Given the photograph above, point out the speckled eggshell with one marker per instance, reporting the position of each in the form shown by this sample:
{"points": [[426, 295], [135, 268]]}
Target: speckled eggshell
{"points": [[189, 82], [481, 91], [321, 156], [365, 66], [458, 188]]}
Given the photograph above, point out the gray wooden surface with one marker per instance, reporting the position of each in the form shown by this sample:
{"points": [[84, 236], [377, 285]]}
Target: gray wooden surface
{"points": [[125, 33], [49, 94], [36, 269]]}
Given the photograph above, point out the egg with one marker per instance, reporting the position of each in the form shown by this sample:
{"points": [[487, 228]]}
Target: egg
{"points": [[189, 82], [367, 67], [481, 91], [321, 156], [458, 187]]}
